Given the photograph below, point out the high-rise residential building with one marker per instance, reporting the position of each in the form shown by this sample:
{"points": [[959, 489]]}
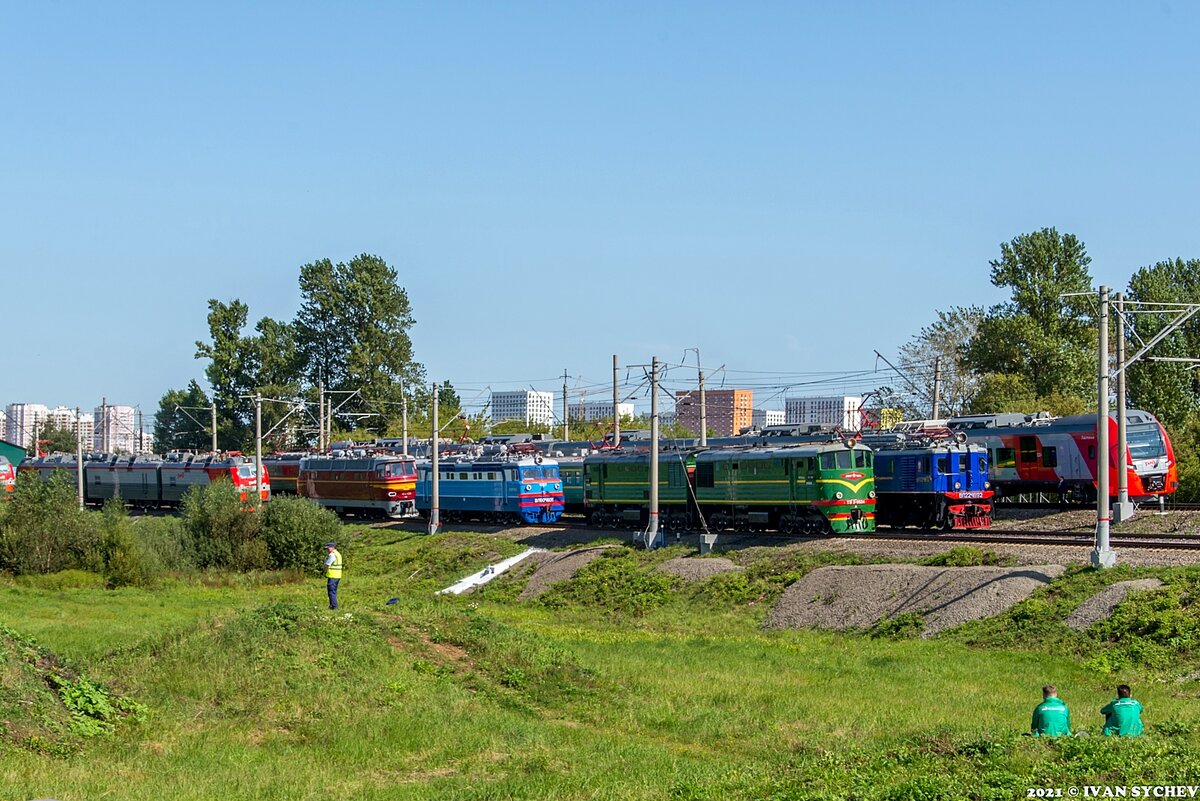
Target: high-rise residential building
{"points": [[79, 424], [20, 421], [727, 411], [3, 424], [533, 407], [761, 418], [593, 411], [838, 410], [114, 429]]}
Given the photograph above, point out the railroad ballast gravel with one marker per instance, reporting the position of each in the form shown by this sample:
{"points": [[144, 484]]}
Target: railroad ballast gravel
{"points": [[691, 568], [861, 596], [1101, 605]]}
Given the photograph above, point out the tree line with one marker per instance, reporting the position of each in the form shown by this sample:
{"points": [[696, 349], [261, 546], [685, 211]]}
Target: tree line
{"points": [[1037, 351]]}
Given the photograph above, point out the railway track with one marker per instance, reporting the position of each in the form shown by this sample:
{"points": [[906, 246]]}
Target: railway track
{"points": [[996, 536]]}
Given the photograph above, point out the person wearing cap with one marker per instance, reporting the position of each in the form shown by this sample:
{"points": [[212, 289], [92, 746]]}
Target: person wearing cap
{"points": [[1122, 715], [1051, 718], [333, 573]]}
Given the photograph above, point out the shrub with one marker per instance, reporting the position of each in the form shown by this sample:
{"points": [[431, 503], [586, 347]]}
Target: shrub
{"points": [[901, 626], [616, 582], [219, 524], [295, 531], [45, 531], [963, 556], [170, 541], [64, 580], [126, 561]]}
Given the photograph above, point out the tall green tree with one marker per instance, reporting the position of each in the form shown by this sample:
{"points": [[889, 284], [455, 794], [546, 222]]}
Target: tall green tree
{"points": [[1169, 390], [230, 371], [352, 333], [182, 420], [1039, 337]]}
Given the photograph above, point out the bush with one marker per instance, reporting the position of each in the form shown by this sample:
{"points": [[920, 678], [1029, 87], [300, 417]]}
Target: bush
{"points": [[126, 561], [615, 581], [170, 541], [220, 525], [963, 556], [45, 531], [295, 531], [64, 580]]}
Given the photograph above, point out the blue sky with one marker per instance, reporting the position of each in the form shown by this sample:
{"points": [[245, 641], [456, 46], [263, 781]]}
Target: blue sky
{"points": [[786, 186]]}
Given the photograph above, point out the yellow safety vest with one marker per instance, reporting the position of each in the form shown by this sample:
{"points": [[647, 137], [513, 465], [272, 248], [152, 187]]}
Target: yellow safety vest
{"points": [[334, 570]]}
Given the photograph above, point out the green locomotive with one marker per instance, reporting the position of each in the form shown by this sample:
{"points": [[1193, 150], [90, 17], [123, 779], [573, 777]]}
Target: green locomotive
{"points": [[616, 489], [816, 488]]}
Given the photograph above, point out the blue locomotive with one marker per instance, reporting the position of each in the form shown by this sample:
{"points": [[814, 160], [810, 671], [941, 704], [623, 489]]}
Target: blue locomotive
{"points": [[931, 479], [494, 487]]}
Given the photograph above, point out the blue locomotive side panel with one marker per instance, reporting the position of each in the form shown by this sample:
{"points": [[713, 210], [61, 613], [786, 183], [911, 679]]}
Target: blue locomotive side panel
{"points": [[527, 489], [936, 486]]}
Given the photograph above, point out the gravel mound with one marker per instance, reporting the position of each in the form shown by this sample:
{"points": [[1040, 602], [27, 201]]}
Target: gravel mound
{"points": [[554, 567], [691, 568], [861, 596], [1101, 605]]}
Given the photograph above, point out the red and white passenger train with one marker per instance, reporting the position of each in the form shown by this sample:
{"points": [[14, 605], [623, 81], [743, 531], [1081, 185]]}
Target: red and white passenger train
{"points": [[151, 481], [1058, 454], [8, 479]]}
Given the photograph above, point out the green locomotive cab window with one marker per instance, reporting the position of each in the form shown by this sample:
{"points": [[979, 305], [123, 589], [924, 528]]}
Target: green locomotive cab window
{"points": [[836, 460], [862, 459]]}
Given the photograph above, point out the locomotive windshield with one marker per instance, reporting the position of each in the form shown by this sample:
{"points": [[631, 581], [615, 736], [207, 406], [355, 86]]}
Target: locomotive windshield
{"points": [[1145, 442], [836, 460]]}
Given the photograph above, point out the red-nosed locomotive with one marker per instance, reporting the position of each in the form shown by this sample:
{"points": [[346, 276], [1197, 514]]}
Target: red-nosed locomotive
{"points": [[1033, 454], [368, 485]]}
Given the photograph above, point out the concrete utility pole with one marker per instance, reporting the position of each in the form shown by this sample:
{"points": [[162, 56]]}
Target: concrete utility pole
{"points": [[258, 450], [566, 410], [703, 408], [79, 457], [214, 426], [1103, 555], [141, 434], [104, 425], [616, 407], [937, 387], [321, 416], [434, 487], [404, 419], [652, 527], [1124, 509]]}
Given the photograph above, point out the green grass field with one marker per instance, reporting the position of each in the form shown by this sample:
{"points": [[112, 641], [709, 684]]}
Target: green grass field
{"points": [[625, 685]]}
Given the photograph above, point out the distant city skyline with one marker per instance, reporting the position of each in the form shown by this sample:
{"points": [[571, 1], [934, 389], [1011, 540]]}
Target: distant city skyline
{"points": [[785, 187]]}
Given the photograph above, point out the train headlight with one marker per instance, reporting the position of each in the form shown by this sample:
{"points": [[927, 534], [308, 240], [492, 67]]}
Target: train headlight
{"points": [[837, 495], [987, 485], [871, 494], [528, 487], [957, 485]]}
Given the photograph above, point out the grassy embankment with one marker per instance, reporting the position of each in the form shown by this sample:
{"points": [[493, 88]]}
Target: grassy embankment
{"points": [[625, 684]]}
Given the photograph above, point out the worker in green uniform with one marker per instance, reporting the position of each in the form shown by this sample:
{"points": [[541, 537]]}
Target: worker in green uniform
{"points": [[1051, 718], [1122, 715]]}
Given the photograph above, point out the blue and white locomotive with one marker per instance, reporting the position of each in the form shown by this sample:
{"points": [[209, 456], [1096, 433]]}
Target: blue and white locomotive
{"points": [[932, 479], [494, 486]]}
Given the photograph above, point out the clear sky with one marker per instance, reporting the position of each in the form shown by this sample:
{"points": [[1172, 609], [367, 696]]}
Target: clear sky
{"points": [[786, 186]]}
